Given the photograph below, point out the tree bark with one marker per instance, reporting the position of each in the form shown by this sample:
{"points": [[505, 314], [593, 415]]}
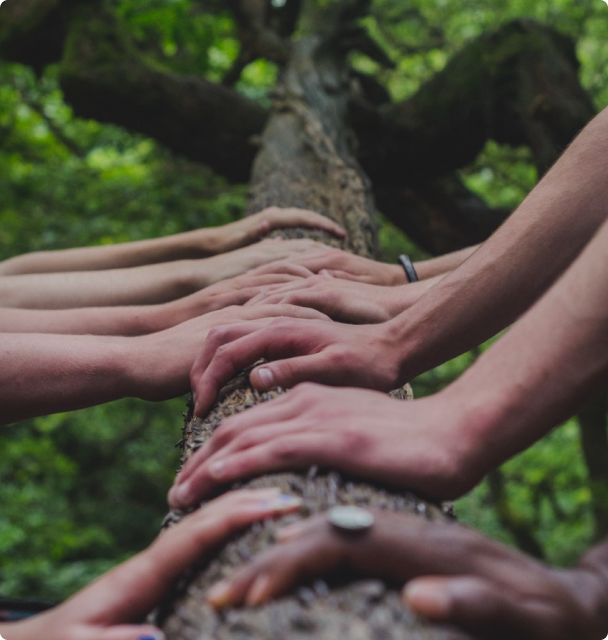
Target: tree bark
{"points": [[305, 160]]}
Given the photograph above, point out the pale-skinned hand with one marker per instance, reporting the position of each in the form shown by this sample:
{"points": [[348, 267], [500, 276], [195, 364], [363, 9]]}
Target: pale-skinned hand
{"points": [[226, 293], [251, 228], [114, 606], [204, 273], [337, 354], [159, 364], [342, 300], [454, 575], [415, 445], [345, 265]]}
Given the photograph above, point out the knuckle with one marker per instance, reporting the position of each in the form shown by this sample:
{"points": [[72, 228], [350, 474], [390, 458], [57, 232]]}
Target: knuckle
{"points": [[286, 451]]}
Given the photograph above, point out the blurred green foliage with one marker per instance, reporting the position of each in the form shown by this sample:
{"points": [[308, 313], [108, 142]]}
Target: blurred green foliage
{"points": [[80, 492]]}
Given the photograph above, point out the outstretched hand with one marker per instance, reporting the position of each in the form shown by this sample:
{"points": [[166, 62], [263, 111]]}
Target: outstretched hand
{"points": [[415, 445], [455, 575], [113, 607]]}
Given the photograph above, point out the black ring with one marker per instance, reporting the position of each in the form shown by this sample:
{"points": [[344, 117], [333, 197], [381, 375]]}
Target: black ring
{"points": [[410, 273]]}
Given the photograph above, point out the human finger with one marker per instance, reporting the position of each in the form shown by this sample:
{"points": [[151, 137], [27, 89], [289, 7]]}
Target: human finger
{"points": [[118, 596], [291, 371], [481, 606], [277, 447], [279, 410], [278, 217], [282, 267], [231, 349], [277, 570]]}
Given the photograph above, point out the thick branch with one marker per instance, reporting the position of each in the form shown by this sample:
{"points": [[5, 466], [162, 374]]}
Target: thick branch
{"points": [[518, 86], [440, 215], [104, 77]]}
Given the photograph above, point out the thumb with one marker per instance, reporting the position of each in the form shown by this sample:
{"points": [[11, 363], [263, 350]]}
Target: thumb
{"points": [[475, 604], [288, 373]]}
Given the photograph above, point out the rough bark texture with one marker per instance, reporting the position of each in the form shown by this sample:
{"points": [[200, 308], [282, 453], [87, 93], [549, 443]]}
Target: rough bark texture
{"points": [[517, 86], [305, 160]]}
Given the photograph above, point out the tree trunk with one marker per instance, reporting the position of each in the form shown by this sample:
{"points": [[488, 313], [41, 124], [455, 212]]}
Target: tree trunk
{"points": [[305, 160]]}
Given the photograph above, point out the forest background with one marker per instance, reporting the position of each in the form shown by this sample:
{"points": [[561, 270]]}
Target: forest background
{"points": [[80, 492]]}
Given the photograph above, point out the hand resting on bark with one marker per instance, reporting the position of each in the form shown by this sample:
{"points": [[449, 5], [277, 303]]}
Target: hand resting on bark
{"points": [[452, 575], [115, 605]]}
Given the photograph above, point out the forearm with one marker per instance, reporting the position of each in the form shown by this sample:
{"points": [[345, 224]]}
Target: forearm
{"points": [[443, 264], [517, 264], [543, 369], [199, 243], [150, 284], [109, 321], [43, 373]]}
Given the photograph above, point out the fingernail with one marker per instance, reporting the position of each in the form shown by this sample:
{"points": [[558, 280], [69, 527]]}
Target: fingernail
{"points": [[284, 502], [180, 494], [219, 594], [429, 600], [215, 470], [159, 635], [258, 592], [265, 377]]}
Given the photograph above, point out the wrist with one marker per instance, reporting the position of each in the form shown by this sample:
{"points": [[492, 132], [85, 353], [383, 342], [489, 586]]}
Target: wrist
{"points": [[395, 275]]}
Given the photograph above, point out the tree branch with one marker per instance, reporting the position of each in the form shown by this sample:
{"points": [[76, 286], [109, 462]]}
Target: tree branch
{"points": [[440, 215], [104, 77], [517, 86]]}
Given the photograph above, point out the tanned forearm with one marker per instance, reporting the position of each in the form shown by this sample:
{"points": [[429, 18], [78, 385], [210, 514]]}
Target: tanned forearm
{"points": [[443, 264], [189, 245], [151, 284], [44, 374], [543, 369], [517, 264]]}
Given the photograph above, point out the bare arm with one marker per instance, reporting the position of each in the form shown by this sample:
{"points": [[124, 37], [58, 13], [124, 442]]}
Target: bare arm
{"points": [[532, 379], [518, 263], [113, 607], [443, 264], [485, 294], [200, 243], [47, 373], [138, 319], [150, 284]]}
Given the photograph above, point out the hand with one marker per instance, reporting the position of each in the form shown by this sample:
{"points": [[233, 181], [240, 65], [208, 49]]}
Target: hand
{"points": [[113, 607], [347, 266], [342, 300], [226, 293], [234, 263], [326, 352], [158, 364], [251, 228], [417, 445], [457, 577]]}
